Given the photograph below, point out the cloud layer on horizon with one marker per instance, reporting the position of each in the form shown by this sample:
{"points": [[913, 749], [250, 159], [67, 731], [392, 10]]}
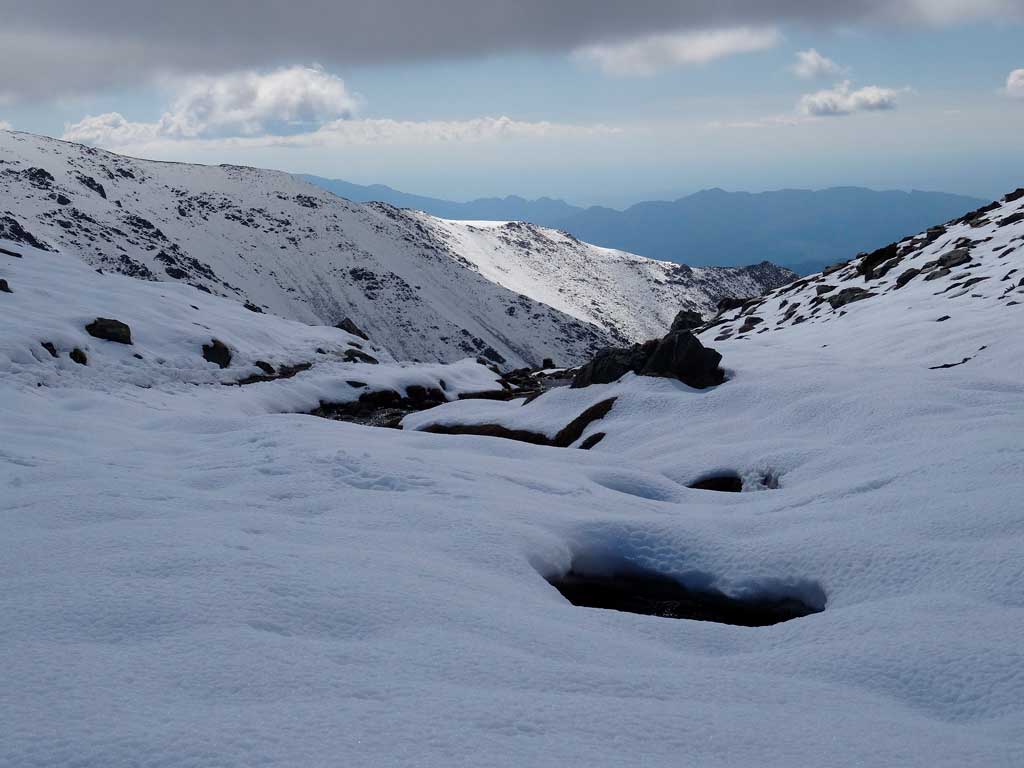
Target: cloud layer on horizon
{"points": [[53, 47], [293, 107]]}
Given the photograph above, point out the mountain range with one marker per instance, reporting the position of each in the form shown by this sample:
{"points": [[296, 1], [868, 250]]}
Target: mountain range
{"points": [[425, 288], [803, 230]]}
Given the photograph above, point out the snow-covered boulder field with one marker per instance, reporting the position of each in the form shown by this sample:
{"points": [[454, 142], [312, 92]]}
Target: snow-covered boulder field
{"points": [[197, 574], [424, 288]]}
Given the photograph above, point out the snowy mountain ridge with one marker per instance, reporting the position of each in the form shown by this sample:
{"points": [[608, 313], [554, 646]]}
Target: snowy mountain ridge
{"points": [[425, 288], [951, 269]]}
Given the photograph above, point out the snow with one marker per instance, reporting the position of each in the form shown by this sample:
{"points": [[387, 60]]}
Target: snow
{"points": [[413, 283], [635, 296], [201, 575]]}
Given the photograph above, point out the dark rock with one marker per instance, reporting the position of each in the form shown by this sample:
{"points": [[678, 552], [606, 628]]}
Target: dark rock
{"points": [[38, 177], [575, 428], [548, 364], [949, 365], [6, 252], [269, 374], [973, 281], [355, 384], [935, 274], [591, 441], [942, 319], [418, 395], [749, 323], [565, 437], [1017, 194], [906, 276], [975, 216], [11, 230], [678, 355], [833, 268], [109, 329], [48, 346], [384, 408], [954, 258], [1013, 218], [350, 327], [492, 354], [610, 365], [732, 302], [217, 352], [871, 261], [248, 305], [91, 183], [884, 269], [848, 296], [494, 394], [4, 287], [489, 430], [821, 290], [686, 320], [356, 356], [78, 356], [62, 199]]}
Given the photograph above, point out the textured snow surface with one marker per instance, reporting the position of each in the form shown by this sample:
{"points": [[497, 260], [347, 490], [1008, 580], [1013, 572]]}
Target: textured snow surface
{"points": [[196, 575], [424, 288]]}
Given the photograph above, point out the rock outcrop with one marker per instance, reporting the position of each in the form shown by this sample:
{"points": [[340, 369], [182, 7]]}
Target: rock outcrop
{"points": [[678, 355]]}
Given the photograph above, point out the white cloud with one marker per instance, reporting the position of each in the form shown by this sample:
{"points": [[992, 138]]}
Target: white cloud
{"points": [[249, 103], [810, 65], [5, 126], [841, 100], [650, 55], [289, 100], [112, 131], [1015, 84], [294, 107]]}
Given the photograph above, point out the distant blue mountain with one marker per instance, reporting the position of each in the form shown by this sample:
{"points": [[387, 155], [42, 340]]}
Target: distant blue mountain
{"points": [[800, 229], [544, 211]]}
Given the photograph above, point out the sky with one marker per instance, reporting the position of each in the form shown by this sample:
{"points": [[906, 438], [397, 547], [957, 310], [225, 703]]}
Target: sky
{"points": [[593, 102]]}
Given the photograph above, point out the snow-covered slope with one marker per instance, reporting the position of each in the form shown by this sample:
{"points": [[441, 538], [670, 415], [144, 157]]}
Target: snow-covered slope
{"points": [[199, 575], [424, 288], [951, 272], [636, 296]]}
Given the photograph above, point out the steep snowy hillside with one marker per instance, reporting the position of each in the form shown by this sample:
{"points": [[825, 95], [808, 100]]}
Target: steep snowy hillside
{"points": [[948, 273], [197, 574], [421, 287], [636, 296]]}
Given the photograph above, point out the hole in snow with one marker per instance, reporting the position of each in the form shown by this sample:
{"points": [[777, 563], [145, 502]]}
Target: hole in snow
{"points": [[624, 586], [724, 482], [733, 482]]}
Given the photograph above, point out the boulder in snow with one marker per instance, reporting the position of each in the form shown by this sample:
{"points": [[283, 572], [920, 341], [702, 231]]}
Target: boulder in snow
{"points": [[108, 329], [217, 352], [679, 355]]}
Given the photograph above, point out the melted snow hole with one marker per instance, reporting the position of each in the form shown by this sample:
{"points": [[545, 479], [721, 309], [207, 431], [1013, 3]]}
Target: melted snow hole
{"points": [[733, 482], [623, 586]]}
